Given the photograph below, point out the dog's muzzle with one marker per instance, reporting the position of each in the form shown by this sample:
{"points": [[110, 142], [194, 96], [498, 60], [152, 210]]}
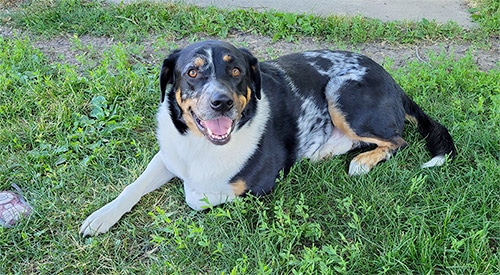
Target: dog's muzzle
{"points": [[217, 130], [219, 126]]}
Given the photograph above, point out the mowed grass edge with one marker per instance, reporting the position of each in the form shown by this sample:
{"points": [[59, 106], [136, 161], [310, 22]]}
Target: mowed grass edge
{"points": [[73, 137]]}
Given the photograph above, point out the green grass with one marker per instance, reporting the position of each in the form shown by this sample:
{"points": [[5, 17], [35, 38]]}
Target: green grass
{"points": [[74, 136], [487, 14], [136, 20]]}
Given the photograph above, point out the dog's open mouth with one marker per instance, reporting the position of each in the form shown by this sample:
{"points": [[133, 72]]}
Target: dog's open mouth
{"points": [[218, 130]]}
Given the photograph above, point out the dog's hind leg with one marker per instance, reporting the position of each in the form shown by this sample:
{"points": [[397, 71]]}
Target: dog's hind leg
{"points": [[155, 175], [364, 162], [370, 127]]}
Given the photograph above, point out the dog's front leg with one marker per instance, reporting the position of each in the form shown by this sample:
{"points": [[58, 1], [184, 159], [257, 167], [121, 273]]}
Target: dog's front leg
{"points": [[202, 200], [155, 175]]}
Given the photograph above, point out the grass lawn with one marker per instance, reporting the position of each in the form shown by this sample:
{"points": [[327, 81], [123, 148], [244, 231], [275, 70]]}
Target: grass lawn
{"points": [[74, 134]]}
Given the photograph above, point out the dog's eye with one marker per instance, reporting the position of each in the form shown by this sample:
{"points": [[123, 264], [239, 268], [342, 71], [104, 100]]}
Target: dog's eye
{"points": [[192, 73], [235, 72]]}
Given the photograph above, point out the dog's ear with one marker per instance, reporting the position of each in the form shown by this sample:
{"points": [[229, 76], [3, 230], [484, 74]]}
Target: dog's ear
{"points": [[167, 75], [254, 71]]}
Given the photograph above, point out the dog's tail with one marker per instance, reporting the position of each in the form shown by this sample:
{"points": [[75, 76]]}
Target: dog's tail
{"points": [[438, 140]]}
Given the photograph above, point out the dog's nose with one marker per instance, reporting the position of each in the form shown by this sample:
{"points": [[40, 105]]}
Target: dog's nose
{"points": [[221, 102]]}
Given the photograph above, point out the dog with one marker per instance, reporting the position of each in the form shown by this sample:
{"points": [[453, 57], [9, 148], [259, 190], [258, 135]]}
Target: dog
{"points": [[229, 124]]}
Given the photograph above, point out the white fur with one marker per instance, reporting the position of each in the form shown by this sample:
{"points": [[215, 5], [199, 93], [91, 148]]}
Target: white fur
{"points": [[343, 65], [205, 168], [435, 161], [312, 135], [319, 140], [155, 175], [337, 144], [356, 169]]}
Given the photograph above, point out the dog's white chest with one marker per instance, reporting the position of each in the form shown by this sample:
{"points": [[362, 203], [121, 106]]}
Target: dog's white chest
{"points": [[202, 165]]}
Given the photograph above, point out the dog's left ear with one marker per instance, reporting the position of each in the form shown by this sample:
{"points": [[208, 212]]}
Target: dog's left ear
{"points": [[167, 75], [254, 71]]}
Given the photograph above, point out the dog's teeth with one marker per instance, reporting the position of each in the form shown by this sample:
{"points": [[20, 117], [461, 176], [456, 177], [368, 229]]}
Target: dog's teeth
{"points": [[211, 134]]}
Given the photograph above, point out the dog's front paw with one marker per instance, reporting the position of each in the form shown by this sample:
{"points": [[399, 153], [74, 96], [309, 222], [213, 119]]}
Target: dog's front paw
{"points": [[100, 221]]}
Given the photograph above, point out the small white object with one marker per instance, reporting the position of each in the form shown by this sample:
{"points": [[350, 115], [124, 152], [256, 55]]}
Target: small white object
{"points": [[435, 161], [12, 208]]}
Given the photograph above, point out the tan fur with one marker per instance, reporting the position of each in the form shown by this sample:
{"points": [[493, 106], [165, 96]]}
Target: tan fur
{"points": [[340, 122], [186, 106], [239, 187], [199, 62]]}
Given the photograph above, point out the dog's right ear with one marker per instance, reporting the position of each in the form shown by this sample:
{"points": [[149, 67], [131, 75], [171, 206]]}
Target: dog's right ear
{"points": [[167, 75]]}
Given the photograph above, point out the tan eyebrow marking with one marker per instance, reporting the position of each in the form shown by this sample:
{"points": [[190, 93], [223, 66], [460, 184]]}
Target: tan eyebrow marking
{"points": [[199, 62]]}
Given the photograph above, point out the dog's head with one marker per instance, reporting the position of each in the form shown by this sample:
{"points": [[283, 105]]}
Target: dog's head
{"points": [[214, 89]]}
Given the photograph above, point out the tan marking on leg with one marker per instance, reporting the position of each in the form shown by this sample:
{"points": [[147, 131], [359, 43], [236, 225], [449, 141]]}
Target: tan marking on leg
{"points": [[371, 158], [186, 106], [239, 187], [364, 162], [339, 121]]}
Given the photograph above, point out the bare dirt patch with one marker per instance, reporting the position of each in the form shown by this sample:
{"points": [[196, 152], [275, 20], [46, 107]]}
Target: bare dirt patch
{"points": [[62, 49]]}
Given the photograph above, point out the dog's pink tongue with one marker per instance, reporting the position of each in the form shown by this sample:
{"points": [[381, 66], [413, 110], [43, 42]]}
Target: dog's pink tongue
{"points": [[219, 126]]}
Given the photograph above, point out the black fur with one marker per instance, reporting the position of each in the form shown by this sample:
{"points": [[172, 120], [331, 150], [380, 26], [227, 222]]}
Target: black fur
{"points": [[372, 103], [227, 124]]}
